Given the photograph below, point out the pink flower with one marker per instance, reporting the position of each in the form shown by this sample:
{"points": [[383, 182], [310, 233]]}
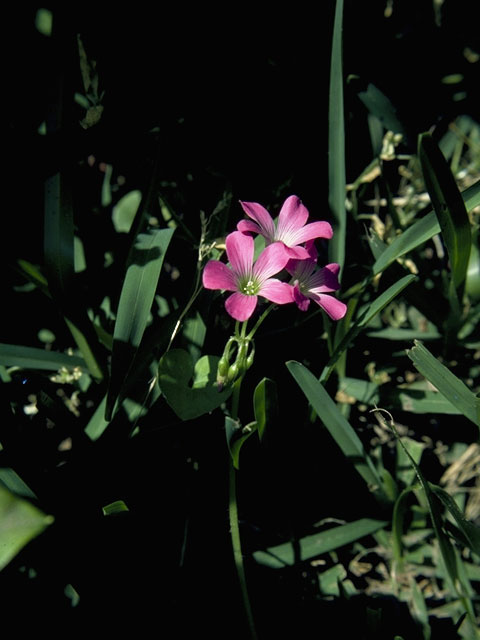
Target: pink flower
{"points": [[311, 283], [291, 229], [247, 279]]}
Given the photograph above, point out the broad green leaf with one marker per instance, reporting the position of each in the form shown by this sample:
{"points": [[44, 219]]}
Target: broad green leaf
{"points": [[20, 522], [448, 205], [447, 383], [33, 358], [285, 555], [134, 307], [336, 144], [191, 391], [337, 425], [366, 315]]}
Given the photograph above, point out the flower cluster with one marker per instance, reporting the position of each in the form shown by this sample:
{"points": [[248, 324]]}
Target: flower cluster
{"points": [[290, 248]]}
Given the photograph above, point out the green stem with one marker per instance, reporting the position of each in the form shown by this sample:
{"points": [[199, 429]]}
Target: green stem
{"points": [[234, 526], [260, 320], [237, 548]]}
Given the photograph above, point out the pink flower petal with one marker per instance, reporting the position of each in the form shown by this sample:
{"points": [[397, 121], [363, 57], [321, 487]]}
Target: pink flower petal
{"points": [[240, 250], [313, 230], [293, 215], [248, 226], [332, 306], [297, 253], [217, 275], [325, 279], [276, 291], [302, 301], [271, 261], [261, 216], [240, 306]]}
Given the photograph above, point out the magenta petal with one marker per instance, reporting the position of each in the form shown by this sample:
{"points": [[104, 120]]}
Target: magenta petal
{"points": [[240, 250], [332, 306], [314, 230], [247, 226], [261, 216], [302, 301], [325, 279], [271, 261], [276, 291], [240, 306], [293, 215], [297, 253], [217, 275]]}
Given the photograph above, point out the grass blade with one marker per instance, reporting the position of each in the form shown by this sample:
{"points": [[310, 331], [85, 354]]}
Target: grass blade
{"points": [[32, 358], [337, 425], [449, 208], [336, 144], [447, 383], [284, 555], [136, 299]]}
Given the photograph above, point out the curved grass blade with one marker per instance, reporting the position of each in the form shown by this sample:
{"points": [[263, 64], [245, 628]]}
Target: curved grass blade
{"points": [[447, 383], [136, 299], [284, 555], [32, 358], [364, 318], [337, 425], [421, 231], [449, 208], [336, 144]]}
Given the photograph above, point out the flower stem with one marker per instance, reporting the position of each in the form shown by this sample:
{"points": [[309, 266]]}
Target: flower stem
{"points": [[233, 518], [260, 320]]}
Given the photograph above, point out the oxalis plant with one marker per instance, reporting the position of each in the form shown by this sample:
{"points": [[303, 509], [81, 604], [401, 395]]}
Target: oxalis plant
{"points": [[290, 249]]}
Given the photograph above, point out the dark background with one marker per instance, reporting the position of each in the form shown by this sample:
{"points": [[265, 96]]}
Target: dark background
{"points": [[226, 98]]}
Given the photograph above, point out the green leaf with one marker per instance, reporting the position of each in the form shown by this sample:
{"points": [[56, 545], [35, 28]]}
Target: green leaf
{"points": [[33, 358], [134, 307], [97, 423], [123, 213], [336, 144], [470, 532], [190, 398], [337, 425], [20, 522], [265, 403], [447, 383], [285, 555], [114, 508], [449, 207]]}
